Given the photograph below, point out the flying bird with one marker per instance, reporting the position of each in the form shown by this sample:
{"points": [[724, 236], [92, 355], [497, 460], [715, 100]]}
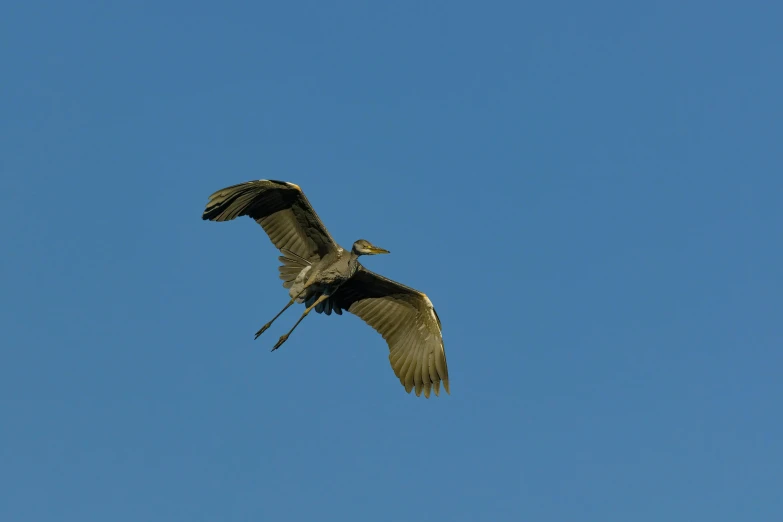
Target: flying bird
{"points": [[324, 276]]}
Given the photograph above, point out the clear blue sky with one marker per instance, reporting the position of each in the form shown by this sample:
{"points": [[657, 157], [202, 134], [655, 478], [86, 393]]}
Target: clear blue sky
{"points": [[590, 192]]}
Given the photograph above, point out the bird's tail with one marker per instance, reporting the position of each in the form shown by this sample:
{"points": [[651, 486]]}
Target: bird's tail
{"points": [[291, 268]]}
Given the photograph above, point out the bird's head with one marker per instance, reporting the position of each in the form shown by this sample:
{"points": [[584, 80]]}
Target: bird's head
{"points": [[365, 248]]}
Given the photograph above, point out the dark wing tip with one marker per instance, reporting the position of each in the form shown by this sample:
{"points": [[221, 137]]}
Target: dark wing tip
{"points": [[239, 200], [221, 201], [209, 214]]}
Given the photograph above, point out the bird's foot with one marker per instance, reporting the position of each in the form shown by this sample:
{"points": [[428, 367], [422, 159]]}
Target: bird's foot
{"points": [[262, 330], [280, 342]]}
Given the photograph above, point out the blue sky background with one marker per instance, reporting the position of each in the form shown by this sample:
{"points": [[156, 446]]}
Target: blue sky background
{"points": [[590, 192]]}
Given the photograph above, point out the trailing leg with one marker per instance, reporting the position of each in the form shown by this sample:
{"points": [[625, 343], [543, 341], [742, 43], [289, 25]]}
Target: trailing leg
{"points": [[284, 338], [267, 325]]}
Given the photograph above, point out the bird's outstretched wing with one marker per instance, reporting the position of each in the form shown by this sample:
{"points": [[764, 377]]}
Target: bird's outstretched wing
{"points": [[282, 210], [407, 320]]}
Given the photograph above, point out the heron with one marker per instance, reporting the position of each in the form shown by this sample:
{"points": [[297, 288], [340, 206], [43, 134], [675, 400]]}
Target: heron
{"points": [[328, 278]]}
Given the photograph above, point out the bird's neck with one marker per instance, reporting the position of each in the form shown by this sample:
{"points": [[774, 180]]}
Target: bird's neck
{"points": [[353, 263]]}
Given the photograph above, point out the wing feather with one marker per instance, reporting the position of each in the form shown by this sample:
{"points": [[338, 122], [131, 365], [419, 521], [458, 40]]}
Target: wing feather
{"points": [[407, 321], [283, 212]]}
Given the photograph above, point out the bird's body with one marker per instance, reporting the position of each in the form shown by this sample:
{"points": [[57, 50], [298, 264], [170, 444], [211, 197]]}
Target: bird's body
{"points": [[334, 269], [326, 277], [322, 278]]}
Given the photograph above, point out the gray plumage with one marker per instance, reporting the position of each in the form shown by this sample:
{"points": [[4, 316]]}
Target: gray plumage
{"points": [[327, 278]]}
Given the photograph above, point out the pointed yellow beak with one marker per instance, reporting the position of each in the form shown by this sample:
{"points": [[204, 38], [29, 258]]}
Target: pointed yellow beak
{"points": [[375, 250]]}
